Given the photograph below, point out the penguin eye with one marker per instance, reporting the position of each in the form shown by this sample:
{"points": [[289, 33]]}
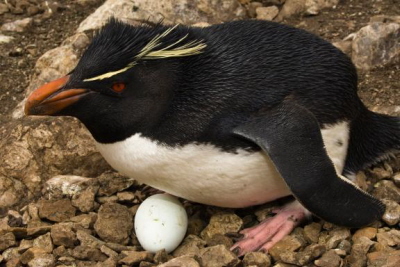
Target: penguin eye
{"points": [[118, 87]]}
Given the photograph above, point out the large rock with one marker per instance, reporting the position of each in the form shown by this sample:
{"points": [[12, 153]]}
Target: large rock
{"points": [[34, 150], [169, 11], [307, 7], [376, 45]]}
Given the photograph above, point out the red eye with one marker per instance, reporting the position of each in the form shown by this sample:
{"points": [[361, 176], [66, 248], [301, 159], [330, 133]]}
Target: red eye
{"points": [[118, 87]]}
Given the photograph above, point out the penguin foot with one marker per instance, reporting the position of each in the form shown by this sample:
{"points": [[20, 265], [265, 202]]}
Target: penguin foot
{"points": [[264, 236]]}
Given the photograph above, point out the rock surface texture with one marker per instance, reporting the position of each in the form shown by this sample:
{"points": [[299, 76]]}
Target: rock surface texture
{"points": [[62, 205]]}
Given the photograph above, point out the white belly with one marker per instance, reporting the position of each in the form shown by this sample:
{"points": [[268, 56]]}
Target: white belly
{"points": [[205, 174], [200, 173]]}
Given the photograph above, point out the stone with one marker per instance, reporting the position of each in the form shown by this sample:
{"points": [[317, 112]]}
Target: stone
{"points": [[368, 232], [171, 12], [108, 251], [191, 246], [66, 185], [222, 223], [133, 257], [31, 254], [336, 236], [392, 213], [377, 44], [386, 190], [44, 242], [17, 26], [182, 261], [63, 145], [390, 238], [396, 179], [24, 245], [359, 250], [161, 256], [256, 259], [286, 244], [345, 47], [251, 8], [88, 240], [126, 196], [380, 173], [311, 232], [114, 223], [88, 253], [216, 256], [4, 39], [329, 259], [3, 8], [267, 13], [84, 201], [56, 211], [309, 254], [113, 182], [7, 240], [85, 220], [62, 234], [43, 260], [384, 259], [219, 239]]}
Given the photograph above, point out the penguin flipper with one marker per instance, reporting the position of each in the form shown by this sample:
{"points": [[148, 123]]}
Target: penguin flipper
{"points": [[291, 136]]}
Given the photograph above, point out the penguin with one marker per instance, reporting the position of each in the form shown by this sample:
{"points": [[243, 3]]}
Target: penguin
{"points": [[233, 115]]}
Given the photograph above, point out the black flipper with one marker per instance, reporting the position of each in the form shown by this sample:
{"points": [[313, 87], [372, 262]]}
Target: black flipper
{"points": [[291, 136]]}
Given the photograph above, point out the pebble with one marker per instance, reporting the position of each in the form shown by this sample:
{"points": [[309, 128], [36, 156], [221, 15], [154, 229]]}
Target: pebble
{"points": [[191, 245], [368, 232], [56, 211], [114, 223], [222, 223], [329, 259], [17, 26], [184, 261], [63, 235], [133, 257], [336, 236], [392, 213], [87, 253], [286, 244], [256, 259], [217, 256], [4, 39], [376, 45], [396, 179], [311, 232], [44, 242], [7, 240], [359, 251], [267, 13], [387, 190], [380, 259]]}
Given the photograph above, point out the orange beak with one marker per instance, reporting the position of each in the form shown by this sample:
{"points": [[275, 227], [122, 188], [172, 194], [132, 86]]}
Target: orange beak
{"points": [[48, 100]]}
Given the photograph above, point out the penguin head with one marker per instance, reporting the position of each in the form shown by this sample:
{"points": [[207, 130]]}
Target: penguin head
{"points": [[123, 83]]}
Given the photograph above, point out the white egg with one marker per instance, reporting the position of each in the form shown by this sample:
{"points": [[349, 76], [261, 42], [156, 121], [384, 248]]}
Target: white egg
{"points": [[161, 223]]}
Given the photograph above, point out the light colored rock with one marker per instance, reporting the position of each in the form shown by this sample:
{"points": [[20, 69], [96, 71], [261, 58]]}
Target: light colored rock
{"points": [[4, 39], [256, 259], [359, 250], [307, 7], [191, 245], [133, 257], [7, 240], [329, 259], [384, 259], [217, 256], [368, 232], [222, 223], [62, 234], [182, 261], [17, 26], [34, 150], [392, 212], [286, 244], [114, 223], [170, 11], [44, 242], [66, 185], [375, 45], [56, 211], [267, 13]]}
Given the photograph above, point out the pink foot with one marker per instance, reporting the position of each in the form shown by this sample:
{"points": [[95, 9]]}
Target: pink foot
{"points": [[264, 236]]}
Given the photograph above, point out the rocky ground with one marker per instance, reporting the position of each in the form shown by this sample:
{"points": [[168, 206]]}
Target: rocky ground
{"points": [[62, 205]]}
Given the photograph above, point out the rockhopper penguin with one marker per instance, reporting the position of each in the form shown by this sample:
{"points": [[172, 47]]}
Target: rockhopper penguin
{"points": [[232, 115]]}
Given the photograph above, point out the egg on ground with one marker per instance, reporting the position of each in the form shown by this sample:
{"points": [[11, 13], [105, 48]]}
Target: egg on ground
{"points": [[160, 223]]}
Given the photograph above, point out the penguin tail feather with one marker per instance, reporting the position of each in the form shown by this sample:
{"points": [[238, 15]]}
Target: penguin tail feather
{"points": [[373, 138]]}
